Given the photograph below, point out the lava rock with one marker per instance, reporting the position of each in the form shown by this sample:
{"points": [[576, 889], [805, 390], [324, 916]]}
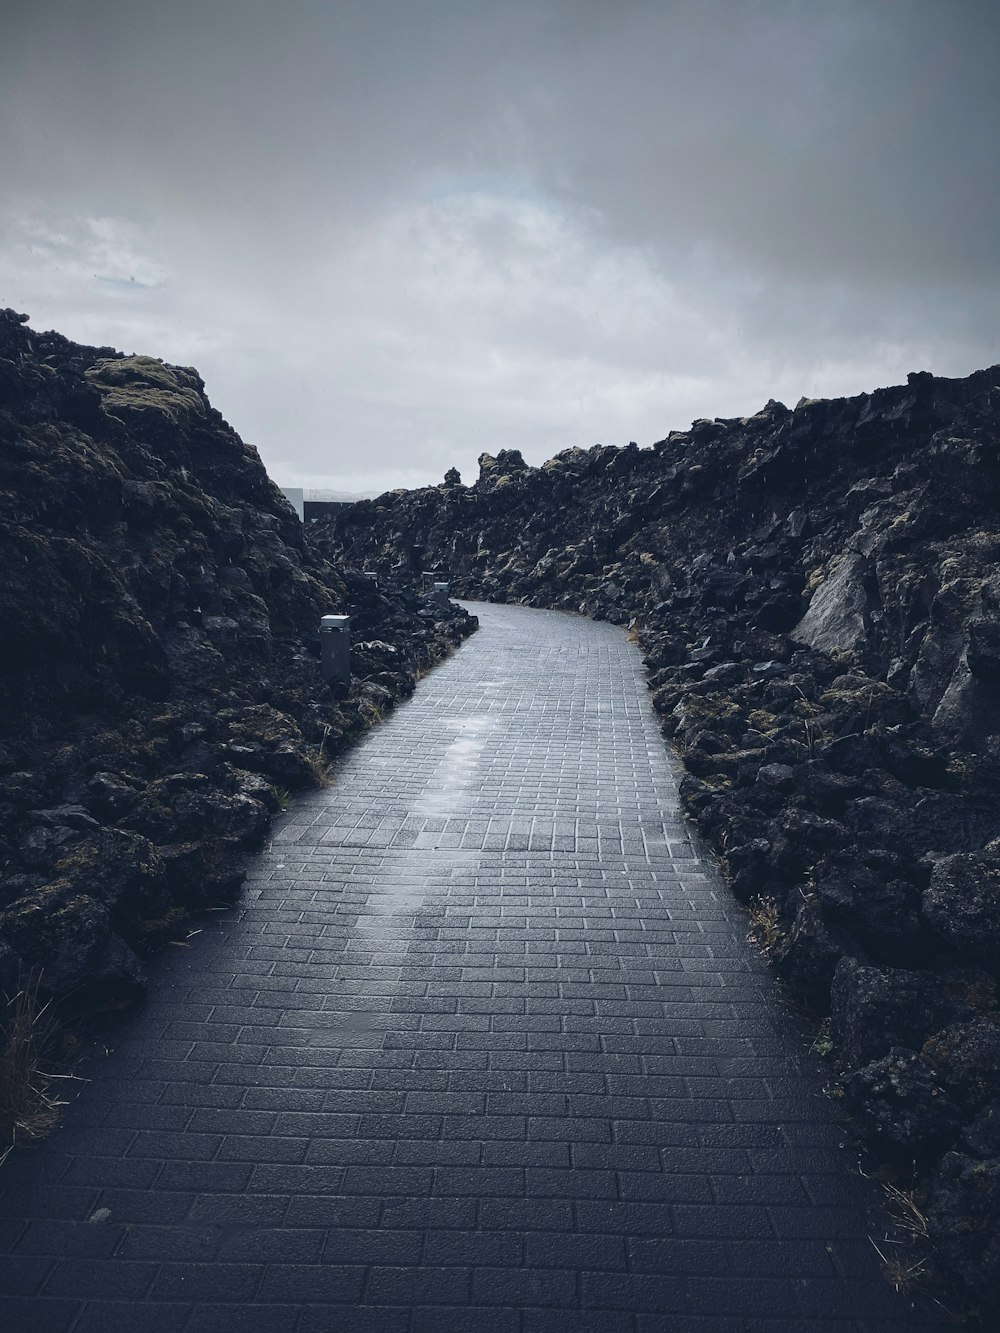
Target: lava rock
{"points": [[965, 1057], [896, 1105], [67, 939], [838, 614], [982, 1137], [963, 1222], [110, 795], [808, 955], [983, 652], [874, 1009], [882, 914], [962, 905]]}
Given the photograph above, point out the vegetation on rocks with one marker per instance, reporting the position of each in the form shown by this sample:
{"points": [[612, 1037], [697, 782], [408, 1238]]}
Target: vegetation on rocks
{"points": [[160, 689], [817, 599]]}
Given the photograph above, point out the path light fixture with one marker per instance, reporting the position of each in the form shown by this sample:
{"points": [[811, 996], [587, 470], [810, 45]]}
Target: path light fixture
{"points": [[335, 649], [439, 595]]}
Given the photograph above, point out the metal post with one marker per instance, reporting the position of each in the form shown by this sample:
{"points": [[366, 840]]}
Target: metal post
{"points": [[335, 649]]}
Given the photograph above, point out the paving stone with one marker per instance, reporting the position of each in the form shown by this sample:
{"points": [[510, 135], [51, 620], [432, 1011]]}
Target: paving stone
{"points": [[29, 1314], [482, 1046], [117, 1317], [244, 1318], [430, 1319]]}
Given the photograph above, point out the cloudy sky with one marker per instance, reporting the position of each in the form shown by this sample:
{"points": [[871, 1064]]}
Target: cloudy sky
{"points": [[392, 234]]}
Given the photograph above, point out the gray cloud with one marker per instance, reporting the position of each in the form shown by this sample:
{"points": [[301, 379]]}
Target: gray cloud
{"points": [[392, 234]]}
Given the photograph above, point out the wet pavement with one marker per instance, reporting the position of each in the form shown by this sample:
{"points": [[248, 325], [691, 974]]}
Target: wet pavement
{"points": [[482, 1047]]}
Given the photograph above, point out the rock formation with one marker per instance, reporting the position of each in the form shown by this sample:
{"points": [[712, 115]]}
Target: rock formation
{"points": [[160, 693], [817, 595]]}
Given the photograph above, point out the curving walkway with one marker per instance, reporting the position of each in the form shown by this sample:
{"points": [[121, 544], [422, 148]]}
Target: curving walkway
{"points": [[481, 1048]]}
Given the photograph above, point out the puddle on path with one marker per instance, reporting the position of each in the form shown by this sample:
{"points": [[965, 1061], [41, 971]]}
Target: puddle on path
{"points": [[454, 772], [384, 927]]}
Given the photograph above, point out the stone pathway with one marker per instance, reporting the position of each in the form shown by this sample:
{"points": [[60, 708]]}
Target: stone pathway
{"points": [[481, 1048]]}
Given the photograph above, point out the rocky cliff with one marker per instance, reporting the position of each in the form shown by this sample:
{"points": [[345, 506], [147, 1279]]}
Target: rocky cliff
{"points": [[817, 594], [160, 692]]}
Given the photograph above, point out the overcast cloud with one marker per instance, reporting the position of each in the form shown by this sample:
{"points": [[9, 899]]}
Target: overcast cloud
{"points": [[392, 234]]}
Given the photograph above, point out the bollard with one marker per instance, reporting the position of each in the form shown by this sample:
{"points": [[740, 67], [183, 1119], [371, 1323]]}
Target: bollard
{"points": [[335, 649], [439, 595]]}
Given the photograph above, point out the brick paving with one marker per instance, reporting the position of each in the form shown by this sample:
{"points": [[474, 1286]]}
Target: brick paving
{"points": [[482, 1047]]}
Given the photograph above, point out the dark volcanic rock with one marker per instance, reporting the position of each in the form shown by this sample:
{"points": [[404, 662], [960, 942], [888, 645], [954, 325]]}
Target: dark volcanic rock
{"points": [[881, 913], [982, 1137], [808, 956], [964, 1222], [159, 686], [873, 1009], [965, 1057], [962, 905], [69, 939], [897, 1106]]}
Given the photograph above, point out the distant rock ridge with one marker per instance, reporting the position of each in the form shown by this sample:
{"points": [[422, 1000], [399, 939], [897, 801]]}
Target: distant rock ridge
{"points": [[817, 594], [159, 691]]}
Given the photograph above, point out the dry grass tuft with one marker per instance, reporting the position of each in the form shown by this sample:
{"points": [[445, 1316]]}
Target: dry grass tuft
{"points": [[371, 713], [316, 761], [319, 770], [766, 931], [28, 1109], [906, 1207], [907, 1261], [906, 1275]]}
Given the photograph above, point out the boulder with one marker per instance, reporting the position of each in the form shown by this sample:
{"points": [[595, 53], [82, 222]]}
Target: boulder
{"points": [[982, 1137], [799, 837], [749, 868], [837, 617], [67, 939], [965, 1058], [110, 795], [963, 1222], [808, 955], [874, 1009], [897, 1106], [969, 710], [962, 905], [983, 651], [880, 913]]}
